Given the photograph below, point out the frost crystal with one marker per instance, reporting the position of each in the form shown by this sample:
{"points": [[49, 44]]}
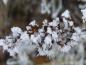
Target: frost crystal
{"points": [[49, 30], [54, 22], [65, 23], [16, 31], [33, 23], [66, 14], [71, 23], [45, 22]]}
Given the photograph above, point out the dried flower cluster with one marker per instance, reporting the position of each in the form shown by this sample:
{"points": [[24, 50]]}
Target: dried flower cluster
{"points": [[47, 38]]}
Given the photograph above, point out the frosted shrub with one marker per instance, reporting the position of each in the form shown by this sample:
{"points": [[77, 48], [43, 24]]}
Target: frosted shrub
{"points": [[51, 40]]}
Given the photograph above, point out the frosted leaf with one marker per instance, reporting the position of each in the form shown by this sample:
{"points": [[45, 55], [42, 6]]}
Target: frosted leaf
{"points": [[54, 22], [33, 23], [28, 27], [42, 34], [39, 39], [84, 19], [24, 36], [41, 30], [45, 46], [16, 31], [66, 14], [9, 39], [49, 30], [45, 22], [84, 12], [54, 36], [13, 52], [34, 39], [5, 47], [84, 15], [2, 42], [65, 23], [71, 23]]}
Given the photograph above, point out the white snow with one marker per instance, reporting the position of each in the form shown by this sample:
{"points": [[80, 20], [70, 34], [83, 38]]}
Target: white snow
{"points": [[66, 14], [71, 23], [84, 15], [16, 31], [2, 42], [55, 22], [49, 30], [45, 22], [55, 36], [65, 23], [33, 23], [28, 27], [24, 36]]}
